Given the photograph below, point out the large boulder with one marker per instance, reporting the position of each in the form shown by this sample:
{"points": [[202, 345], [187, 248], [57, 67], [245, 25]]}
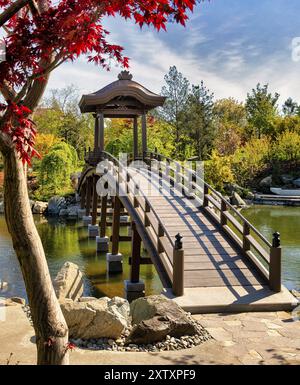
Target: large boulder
{"points": [[296, 182], [39, 207], [155, 317], [286, 178], [266, 182], [236, 200], [55, 204], [96, 318], [68, 282]]}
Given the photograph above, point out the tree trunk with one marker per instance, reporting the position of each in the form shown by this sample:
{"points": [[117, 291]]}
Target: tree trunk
{"points": [[49, 324]]}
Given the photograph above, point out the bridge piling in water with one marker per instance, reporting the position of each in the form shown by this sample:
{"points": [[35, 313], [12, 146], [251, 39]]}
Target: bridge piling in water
{"points": [[93, 228], [102, 242], [134, 287], [115, 259]]}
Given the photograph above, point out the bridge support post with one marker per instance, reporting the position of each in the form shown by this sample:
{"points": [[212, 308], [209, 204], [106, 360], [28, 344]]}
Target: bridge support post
{"points": [[135, 139], [275, 265], [178, 267], [144, 135], [135, 288], [93, 228], [114, 259], [87, 219], [102, 242], [223, 219]]}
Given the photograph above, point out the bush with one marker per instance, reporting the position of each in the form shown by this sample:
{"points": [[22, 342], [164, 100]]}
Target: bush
{"points": [[287, 147], [218, 171], [56, 168], [251, 159]]}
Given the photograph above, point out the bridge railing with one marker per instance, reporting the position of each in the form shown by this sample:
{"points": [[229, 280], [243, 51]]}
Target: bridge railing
{"points": [[170, 251], [264, 255]]}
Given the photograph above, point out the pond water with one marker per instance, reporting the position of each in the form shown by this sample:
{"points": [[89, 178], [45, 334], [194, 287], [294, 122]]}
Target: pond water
{"points": [[67, 241], [286, 220]]}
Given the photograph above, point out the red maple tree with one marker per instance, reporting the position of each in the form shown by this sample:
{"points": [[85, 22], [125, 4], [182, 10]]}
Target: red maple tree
{"points": [[40, 35]]}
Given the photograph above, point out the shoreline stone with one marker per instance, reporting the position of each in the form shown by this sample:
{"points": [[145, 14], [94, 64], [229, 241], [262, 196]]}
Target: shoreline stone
{"points": [[104, 317], [155, 317], [68, 284]]}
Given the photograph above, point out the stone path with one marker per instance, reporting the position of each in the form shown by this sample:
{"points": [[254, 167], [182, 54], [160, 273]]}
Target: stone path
{"points": [[246, 338]]}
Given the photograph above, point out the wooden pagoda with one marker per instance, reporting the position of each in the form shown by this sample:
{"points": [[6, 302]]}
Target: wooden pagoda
{"points": [[123, 98]]}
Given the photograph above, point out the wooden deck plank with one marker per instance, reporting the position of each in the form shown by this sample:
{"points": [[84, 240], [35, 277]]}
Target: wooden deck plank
{"points": [[221, 265], [211, 259]]}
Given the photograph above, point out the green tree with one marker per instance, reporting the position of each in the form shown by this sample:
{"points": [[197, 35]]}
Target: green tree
{"points": [[261, 108], [198, 120], [290, 107], [55, 170], [287, 148], [60, 116], [176, 91], [286, 123], [231, 121]]}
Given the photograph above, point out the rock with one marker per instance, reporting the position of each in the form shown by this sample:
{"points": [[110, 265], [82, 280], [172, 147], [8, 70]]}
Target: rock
{"points": [[230, 188], [39, 207], [249, 195], [2, 207], [68, 282], [155, 317], [19, 300], [286, 179], [55, 204], [266, 182], [63, 212], [95, 319], [236, 200], [74, 179], [296, 182], [87, 299], [121, 306], [72, 211]]}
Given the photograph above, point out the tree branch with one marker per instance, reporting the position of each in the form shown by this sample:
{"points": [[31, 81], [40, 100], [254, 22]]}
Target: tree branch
{"points": [[12, 10], [7, 92]]}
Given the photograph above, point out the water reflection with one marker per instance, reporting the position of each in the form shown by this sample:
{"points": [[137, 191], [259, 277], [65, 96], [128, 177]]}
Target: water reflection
{"points": [[66, 240], [286, 220]]}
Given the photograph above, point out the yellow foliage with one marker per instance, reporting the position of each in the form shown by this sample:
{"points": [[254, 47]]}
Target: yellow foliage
{"points": [[44, 142], [218, 171]]}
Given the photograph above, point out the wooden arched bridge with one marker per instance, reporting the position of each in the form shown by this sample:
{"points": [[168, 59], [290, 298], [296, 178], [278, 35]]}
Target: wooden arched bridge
{"points": [[221, 262], [208, 256]]}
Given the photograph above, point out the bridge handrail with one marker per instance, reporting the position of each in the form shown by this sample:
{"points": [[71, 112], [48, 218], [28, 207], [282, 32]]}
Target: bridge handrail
{"points": [[115, 160], [219, 195], [272, 257], [174, 255]]}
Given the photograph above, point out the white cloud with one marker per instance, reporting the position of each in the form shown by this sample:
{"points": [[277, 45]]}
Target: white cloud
{"points": [[232, 70]]}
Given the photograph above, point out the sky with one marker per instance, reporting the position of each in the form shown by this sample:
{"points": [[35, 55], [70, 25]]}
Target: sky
{"points": [[229, 44]]}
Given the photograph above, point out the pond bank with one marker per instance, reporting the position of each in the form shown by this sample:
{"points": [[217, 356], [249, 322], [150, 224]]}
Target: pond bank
{"points": [[239, 339]]}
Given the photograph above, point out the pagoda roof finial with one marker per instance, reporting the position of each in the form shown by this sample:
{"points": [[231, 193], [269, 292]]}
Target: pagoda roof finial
{"points": [[125, 75]]}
